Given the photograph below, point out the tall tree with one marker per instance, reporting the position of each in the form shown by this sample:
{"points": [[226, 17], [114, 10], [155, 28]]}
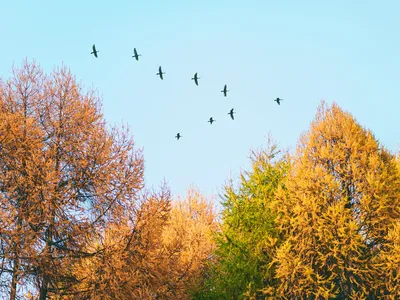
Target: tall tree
{"points": [[64, 176], [342, 199], [247, 238]]}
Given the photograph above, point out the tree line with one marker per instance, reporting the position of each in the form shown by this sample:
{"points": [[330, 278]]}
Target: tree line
{"points": [[78, 222]]}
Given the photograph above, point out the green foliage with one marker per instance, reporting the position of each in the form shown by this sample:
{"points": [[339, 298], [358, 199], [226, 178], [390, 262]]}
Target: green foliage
{"points": [[248, 233]]}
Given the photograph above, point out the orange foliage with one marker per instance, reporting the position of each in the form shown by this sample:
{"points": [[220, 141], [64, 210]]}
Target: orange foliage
{"points": [[161, 255], [64, 177]]}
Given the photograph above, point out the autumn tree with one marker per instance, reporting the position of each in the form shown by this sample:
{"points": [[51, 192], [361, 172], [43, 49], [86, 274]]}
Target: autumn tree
{"points": [[159, 254], [340, 212], [64, 176], [188, 238], [388, 261], [248, 235], [130, 263]]}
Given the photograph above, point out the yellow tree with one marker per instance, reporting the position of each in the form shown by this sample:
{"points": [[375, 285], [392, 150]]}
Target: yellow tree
{"points": [[389, 260], [65, 177], [128, 265], [341, 200], [188, 239], [160, 254]]}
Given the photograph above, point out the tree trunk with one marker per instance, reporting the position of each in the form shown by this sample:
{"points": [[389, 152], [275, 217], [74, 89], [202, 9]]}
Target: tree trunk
{"points": [[43, 289], [14, 281]]}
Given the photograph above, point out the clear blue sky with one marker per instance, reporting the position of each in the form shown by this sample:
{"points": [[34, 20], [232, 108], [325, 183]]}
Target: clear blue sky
{"points": [[302, 51]]}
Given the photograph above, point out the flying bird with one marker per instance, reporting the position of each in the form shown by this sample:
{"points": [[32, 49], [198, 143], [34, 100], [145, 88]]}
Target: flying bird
{"points": [[135, 54], [160, 73], [278, 100], [94, 51], [225, 91], [211, 121], [178, 136], [195, 78], [231, 114]]}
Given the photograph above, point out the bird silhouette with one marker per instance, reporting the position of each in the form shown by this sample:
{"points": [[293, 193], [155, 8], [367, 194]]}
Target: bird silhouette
{"points": [[211, 120], [135, 54], [278, 100], [94, 51], [195, 78], [231, 114], [160, 73], [225, 91], [178, 136]]}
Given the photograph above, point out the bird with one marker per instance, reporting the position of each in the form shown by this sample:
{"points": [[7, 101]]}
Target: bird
{"points": [[225, 91], [94, 51], [278, 100], [178, 136], [135, 54], [231, 113], [211, 120], [195, 78], [160, 73]]}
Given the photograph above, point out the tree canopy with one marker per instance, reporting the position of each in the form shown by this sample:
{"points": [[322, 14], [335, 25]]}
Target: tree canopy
{"points": [[78, 222], [248, 233], [341, 201]]}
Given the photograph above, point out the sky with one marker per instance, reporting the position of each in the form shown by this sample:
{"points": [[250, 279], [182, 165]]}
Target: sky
{"points": [[306, 51]]}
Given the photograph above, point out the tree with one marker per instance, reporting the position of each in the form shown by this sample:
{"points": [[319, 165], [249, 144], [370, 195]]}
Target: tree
{"points": [[389, 262], [188, 238], [161, 254], [342, 200], [248, 236], [130, 263], [65, 177]]}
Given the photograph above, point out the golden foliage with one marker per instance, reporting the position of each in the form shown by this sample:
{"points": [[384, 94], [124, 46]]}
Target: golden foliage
{"points": [[189, 234], [161, 255], [342, 198]]}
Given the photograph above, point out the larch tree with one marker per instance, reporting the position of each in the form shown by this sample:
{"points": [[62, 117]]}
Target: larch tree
{"points": [[338, 212], [188, 238], [248, 235], [64, 177], [159, 254], [129, 264], [19, 145]]}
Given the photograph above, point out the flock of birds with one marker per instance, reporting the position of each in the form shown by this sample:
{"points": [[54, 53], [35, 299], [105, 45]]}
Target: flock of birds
{"points": [[196, 81]]}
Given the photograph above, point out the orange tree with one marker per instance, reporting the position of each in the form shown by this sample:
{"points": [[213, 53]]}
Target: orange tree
{"points": [[160, 254], [64, 178]]}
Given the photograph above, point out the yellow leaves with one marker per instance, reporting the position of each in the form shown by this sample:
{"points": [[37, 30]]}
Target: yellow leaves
{"points": [[270, 241], [389, 260], [190, 227], [336, 206], [161, 255]]}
